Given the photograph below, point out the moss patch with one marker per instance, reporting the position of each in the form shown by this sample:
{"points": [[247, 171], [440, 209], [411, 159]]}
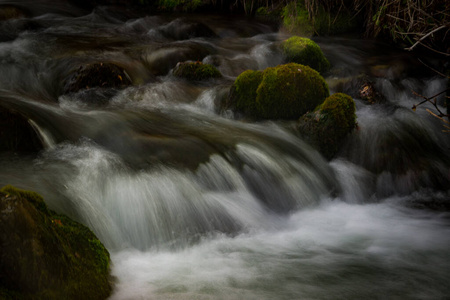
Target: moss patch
{"points": [[283, 92], [329, 124], [306, 52], [46, 255], [196, 71]]}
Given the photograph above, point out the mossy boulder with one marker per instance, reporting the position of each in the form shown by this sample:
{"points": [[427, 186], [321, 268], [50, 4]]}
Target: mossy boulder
{"points": [[45, 255], [283, 92], [16, 133], [196, 71], [101, 75], [306, 52], [329, 124]]}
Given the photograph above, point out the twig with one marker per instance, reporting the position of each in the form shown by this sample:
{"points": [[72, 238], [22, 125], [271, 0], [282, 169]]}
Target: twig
{"points": [[427, 35], [436, 71]]}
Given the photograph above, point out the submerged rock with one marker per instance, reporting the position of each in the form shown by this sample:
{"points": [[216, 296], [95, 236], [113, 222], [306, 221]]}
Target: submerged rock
{"points": [[196, 71], [45, 255], [283, 92], [306, 52], [16, 133], [103, 75], [329, 124]]}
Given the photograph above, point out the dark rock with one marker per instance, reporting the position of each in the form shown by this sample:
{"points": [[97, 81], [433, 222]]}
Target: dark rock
{"points": [[45, 255], [103, 75], [16, 133], [361, 87]]}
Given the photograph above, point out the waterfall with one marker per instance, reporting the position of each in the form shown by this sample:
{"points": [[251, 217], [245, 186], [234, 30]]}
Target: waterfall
{"points": [[194, 204]]}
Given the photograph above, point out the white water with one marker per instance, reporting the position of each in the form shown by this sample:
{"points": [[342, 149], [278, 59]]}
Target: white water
{"points": [[334, 251]]}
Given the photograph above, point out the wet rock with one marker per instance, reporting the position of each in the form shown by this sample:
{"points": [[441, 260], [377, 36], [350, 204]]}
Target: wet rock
{"points": [[103, 75], [329, 124], [283, 92], [16, 133], [361, 87], [45, 255], [306, 52], [196, 71]]}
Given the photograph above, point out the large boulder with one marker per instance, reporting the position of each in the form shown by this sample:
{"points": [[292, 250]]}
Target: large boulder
{"points": [[282, 92], [16, 133], [306, 52], [45, 255], [196, 71], [329, 124]]}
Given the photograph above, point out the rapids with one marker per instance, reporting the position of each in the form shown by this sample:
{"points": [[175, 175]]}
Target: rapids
{"points": [[194, 203]]}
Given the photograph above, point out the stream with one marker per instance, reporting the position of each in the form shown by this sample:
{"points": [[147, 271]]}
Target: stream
{"points": [[196, 203]]}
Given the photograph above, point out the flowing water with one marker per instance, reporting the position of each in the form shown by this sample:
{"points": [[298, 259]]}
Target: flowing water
{"points": [[192, 202]]}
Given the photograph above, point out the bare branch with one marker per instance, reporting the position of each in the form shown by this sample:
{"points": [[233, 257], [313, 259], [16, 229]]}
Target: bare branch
{"points": [[427, 35]]}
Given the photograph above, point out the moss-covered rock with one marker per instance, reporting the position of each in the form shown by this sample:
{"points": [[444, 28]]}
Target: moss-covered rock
{"points": [[283, 92], [196, 71], [45, 255], [306, 52], [329, 124], [103, 75]]}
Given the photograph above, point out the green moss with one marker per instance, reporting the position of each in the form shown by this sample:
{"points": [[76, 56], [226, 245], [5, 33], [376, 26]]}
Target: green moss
{"points": [[243, 91], [329, 23], [341, 109], [329, 124], [66, 260], [196, 71], [283, 92], [288, 91], [296, 19], [32, 197], [306, 52]]}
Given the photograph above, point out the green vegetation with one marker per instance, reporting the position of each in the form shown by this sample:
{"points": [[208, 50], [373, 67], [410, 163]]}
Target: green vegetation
{"points": [[329, 124], [185, 5], [196, 71], [296, 19], [46, 255], [283, 92], [306, 52]]}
